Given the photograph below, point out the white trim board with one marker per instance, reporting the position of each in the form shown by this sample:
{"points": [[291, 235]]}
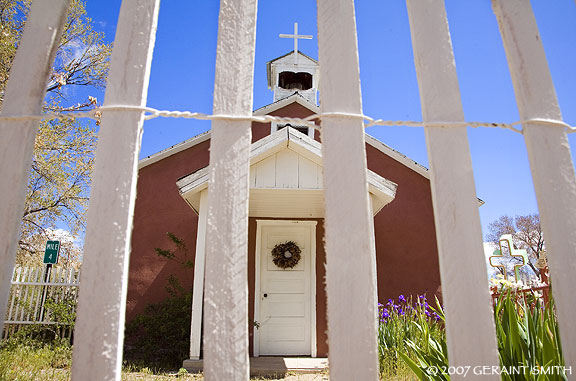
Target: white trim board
{"points": [[176, 148], [281, 103]]}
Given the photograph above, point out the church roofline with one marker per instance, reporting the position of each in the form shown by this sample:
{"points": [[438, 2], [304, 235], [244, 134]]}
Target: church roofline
{"points": [[418, 168], [280, 103], [158, 156]]}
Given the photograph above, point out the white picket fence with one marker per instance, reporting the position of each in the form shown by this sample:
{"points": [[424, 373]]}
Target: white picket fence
{"points": [[351, 285], [31, 288]]}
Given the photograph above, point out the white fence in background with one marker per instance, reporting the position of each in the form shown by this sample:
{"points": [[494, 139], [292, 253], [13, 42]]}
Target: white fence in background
{"points": [[351, 290], [34, 287]]}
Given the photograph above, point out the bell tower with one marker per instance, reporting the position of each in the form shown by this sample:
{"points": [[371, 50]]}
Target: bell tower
{"points": [[294, 72]]}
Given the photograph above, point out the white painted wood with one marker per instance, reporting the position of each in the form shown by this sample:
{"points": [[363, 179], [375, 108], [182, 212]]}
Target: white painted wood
{"points": [[287, 203], [308, 174], [102, 304], [253, 176], [226, 288], [255, 334], [287, 316], [549, 156], [287, 169], [266, 173], [296, 36], [351, 290], [293, 98], [198, 290], [466, 298], [24, 95]]}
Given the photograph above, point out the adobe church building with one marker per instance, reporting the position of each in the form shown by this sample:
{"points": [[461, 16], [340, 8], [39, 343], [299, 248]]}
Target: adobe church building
{"points": [[286, 204]]}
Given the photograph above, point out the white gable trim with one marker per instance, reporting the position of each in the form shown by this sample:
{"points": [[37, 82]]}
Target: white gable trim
{"points": [[285, 102], [174, 149], [418, 168]]}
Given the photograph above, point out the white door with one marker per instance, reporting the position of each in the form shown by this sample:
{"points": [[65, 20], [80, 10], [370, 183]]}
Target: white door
{"points": [[285, 307]]}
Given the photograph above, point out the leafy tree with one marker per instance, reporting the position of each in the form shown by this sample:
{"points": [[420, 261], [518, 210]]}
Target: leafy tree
{"points": [[526, 234], [59, 182]]}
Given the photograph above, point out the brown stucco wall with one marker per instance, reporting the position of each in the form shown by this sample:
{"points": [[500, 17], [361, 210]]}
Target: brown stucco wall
{"points": [[293, 110], [160, 209], [407, 255]]}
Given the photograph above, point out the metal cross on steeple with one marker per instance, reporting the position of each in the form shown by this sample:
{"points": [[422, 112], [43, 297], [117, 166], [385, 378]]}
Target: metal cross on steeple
{"points": [[296, 36]]}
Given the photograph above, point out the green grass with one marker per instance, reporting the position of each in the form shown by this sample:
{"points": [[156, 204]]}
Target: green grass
{"points": [[33, 362]]}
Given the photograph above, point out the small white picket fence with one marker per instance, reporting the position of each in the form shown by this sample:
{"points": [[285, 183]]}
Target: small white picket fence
{"points": [[33, 290]]}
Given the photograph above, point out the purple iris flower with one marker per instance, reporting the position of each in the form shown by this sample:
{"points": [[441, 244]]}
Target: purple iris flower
{"points": [[402, 298]]}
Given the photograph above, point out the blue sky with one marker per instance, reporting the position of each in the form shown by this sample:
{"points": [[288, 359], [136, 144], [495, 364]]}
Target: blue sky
{"points": [[182, 77]]}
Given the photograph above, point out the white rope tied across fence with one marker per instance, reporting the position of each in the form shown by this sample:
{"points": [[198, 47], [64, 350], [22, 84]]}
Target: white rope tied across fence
{"points": [[152, 113]]}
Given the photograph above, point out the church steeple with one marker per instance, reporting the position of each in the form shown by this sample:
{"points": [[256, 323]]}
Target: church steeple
{"points": [[294, 72]]}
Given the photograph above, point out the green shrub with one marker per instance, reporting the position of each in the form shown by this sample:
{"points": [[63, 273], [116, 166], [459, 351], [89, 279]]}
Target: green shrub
{"points": [[160, 337]]}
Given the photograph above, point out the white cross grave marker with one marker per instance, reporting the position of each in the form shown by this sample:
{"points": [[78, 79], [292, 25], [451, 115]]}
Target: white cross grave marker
{"points": [[502, 260], [296, 36]]}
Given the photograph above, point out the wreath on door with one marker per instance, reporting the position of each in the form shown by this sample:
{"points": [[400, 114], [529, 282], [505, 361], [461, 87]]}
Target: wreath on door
{"points": [[286, 255]]}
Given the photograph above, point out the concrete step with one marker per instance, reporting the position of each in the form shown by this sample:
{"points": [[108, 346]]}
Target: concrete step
{"points": [[272, 366]]}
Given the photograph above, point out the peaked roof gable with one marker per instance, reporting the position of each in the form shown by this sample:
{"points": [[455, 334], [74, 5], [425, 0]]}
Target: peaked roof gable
{"points": [[266, 110], [190, 186], [281, 103]]}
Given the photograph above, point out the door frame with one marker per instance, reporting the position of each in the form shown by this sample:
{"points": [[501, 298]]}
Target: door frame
{"points": [[258, 291]]}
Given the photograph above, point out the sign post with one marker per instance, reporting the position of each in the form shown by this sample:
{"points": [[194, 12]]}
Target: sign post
{"points": [[51, 254]]}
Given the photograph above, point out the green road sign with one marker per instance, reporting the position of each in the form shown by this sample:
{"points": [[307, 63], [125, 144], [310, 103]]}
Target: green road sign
{"points": [[51, 252]]}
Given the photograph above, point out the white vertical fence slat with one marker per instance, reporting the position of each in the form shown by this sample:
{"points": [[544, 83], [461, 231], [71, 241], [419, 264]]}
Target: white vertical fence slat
{"points": [[549, 156], [26, 278], [101, 307], [470, 327], [14, 293], [351, 289], [24, 95], [226, 285]]}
